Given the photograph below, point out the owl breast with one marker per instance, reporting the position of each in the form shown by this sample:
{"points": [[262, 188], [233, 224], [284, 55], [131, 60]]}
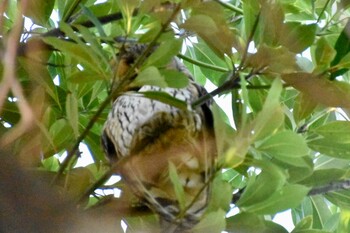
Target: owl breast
{"points": [[136, 121]]}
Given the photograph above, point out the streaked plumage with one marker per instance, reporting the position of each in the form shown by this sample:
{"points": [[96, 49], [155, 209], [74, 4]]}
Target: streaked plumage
{"points": [[144, 136]]}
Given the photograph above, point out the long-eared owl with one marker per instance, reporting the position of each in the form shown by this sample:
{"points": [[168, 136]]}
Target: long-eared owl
{"points": [[149, 139]]}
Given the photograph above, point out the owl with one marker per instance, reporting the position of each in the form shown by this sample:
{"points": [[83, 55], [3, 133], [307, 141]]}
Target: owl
{"points": [[165, 155]]}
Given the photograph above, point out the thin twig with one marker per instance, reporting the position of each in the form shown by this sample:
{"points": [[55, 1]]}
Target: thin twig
{"points": [[322, 12]]}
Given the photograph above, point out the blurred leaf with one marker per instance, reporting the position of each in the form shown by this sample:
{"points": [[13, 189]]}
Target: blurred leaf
{"points": [[271, 21], [271, 116], [272, 59], [331, 148], [285, 144], [61, 134], [166, 98], [305, 223], [39, 10], [323, 177], [321, 211], [303, 107], [340, 198], [97, 10], [218, 37], [257, 191], [290, 196], [78, 180], [149, 76], [178, 188], [69, 7], [311, 231], [338, 131], [221, 195], [342, 47], [164, 53], [324, 52], [174, 78], [297, 37], [80, 52], [72, 113], [320, 90], [344, 221], [84, 76], [212, 222], [251, 10], [127, 7], [252, 223]]}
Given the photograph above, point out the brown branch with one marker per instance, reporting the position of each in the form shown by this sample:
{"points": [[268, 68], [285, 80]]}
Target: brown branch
{"points": [[331, 187], [10, 82]]}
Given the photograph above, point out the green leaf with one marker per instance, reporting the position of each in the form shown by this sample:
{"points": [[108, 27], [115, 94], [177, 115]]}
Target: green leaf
{"points": [[320, 90], [324, 52], [272, 59], [257, 191], [39, 10], [82, 53], [166, 98], [252, 223], [212, 222], [178, 188], [164, 53], [285, 144], [331, 148], [86, 11], [311, 231], [303, 107], [61, 134], [298, 37], [323, 177], [84, 76], [342, 47], [251, 9], [271, 116], [344, 221], [218, 37], [174, 78], [127, 7], [290, 196], [305, 223], [149, 76], [338, 131], [72, 113], [69, 7], [339, 198], [221, 195], [321, 211]]}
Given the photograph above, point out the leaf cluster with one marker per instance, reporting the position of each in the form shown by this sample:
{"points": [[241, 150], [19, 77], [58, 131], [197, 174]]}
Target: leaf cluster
{"points": [[283, 64]]}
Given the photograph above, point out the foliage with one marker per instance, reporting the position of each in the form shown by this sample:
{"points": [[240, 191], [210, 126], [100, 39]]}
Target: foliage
{"points": [[284, 64]]}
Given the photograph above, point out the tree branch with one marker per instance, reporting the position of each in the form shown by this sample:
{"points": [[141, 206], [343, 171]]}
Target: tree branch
{"points": [[331, 187]]}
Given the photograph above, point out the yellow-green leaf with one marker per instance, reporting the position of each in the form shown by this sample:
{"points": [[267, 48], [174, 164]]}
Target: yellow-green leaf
{"points": [[320, 89], [149, 76], [178, 188]]}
